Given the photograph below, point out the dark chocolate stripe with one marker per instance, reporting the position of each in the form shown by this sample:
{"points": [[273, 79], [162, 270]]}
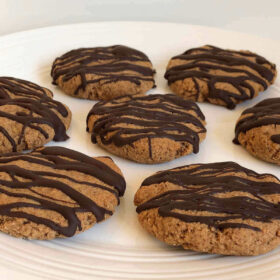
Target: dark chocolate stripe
{"points": [[57, 158], [34, 99], [115, 61], [266, 112], [10, 139], [84, 164], [170, 122], [202, 183], [20, 88], [199, 65]]}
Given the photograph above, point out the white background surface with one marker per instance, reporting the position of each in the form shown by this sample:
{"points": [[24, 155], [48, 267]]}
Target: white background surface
{"points": [[257, 17]]}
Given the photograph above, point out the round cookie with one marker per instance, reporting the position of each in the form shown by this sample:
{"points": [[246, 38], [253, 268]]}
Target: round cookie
{"points": [[258, 130], [147, 129], [219, 76], [220, 208], [29, 117], [56, 192], [103, 73]]}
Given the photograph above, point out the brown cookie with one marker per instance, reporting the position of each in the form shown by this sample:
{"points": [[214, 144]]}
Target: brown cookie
{"points": [[56, 192], [258, 130], [147, 129], [218, 76], [29, 117], [220, 208], [103, 73]]}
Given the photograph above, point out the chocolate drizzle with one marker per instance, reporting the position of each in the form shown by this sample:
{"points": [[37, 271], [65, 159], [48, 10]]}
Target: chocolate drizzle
{"points": [[200, 186], [32, 99], [207, 64], [26, 184], [266, 112], [109, 64], [152, 116]]}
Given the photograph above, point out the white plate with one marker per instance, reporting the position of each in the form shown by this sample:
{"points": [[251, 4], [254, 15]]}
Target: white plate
{"points": [[119, 248]]}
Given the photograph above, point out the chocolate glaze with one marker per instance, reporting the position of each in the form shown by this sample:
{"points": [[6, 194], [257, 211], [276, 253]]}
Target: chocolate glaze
{"points": [[115, 60], [201, 183], [21, 88], [174, 114], [264, 113], [57, 158], [199, 64], [33, 98]]}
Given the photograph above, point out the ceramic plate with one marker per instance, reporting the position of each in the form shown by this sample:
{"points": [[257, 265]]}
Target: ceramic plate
{"points": [[119, 248]]}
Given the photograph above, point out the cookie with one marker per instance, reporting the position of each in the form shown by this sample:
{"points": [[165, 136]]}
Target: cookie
{"points": [[147, 129], [56, 192], [218, 76], [220, 208], [103, 73], [258, 130], [29, 117]]}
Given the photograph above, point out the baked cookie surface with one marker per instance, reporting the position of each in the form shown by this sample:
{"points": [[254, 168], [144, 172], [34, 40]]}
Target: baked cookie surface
{"points": [[219, 76], [147, 129], [258, 130], [220, 208], [103, 73], [56, 192], [29, 117]]}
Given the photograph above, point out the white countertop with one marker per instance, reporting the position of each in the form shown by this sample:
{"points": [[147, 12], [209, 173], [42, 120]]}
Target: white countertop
{"points": [[261, 18]]}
